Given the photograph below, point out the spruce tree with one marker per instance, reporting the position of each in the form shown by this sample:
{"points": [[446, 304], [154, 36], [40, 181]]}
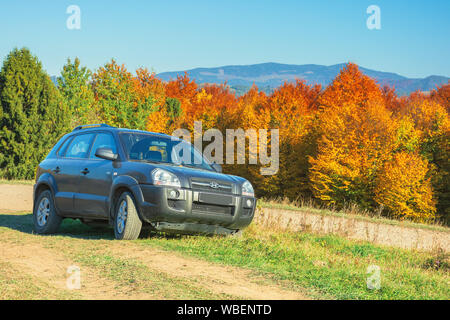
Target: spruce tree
{"points": [[33, 115]]}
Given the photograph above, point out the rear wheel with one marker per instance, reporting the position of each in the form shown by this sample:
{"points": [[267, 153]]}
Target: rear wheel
{"points": [[127, 224], [45, 219]]}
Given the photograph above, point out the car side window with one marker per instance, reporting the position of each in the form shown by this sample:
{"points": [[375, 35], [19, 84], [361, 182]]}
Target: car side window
{"points": [[79, 147], [63, 148], [103, 140]]}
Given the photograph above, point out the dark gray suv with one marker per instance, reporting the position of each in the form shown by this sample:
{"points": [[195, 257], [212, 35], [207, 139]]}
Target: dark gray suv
{"points": [[134, 179]]}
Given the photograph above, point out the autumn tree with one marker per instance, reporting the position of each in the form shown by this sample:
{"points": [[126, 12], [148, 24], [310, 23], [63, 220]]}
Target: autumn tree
{"points": [[355, 142], [351, 87], [184, 90], [403, 187], [159, 121], [442, 96], [147, 86], [74, 85], [391, 100], [432, 124], [250, 113], [292, 108], [167, 118], [212, 104], [118, 101]]}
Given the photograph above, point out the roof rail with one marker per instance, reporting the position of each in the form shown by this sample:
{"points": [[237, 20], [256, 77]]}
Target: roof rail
{"points": [[88, 126]]}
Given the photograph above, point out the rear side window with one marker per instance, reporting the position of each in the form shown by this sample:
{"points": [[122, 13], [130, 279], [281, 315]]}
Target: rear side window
{"points": [[79, 147], [103, 140], [63, 148]]}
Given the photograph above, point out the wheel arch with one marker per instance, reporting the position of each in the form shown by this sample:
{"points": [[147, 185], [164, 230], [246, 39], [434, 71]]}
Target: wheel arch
{"points": [[124, 184], [45, 182]]}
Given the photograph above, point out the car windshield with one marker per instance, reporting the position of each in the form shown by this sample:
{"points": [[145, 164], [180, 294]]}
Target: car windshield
{"points": [[151, 148]]}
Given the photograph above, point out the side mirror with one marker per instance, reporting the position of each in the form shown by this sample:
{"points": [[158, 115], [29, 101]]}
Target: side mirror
{"points": [[217, 167], [106, 153]]}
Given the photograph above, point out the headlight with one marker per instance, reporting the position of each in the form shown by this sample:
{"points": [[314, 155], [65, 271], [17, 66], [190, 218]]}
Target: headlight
{"points": [[165, 178], [247, 189]]}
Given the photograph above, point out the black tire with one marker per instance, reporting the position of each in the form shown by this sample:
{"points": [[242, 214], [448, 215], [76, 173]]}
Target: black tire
{"points": [[45, 218], [127, 228]]}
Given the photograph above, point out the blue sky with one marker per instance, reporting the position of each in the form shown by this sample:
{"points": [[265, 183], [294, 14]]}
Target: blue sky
{"points": [[179, 35]]}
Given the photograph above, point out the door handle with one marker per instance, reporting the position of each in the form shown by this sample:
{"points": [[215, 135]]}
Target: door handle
{"points": [[56, 170], [85, 171]]}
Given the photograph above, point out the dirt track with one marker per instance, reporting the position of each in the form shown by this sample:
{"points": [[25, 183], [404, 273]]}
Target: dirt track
{"points": [[45, 260], [16, 197]]}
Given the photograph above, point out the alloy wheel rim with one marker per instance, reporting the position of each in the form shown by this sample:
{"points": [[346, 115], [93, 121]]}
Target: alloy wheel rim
{"points": [[43, 212], [122, 216]]}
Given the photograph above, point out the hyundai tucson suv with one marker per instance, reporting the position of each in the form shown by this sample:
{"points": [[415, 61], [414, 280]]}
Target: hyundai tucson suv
{"points": [[133, 179]]}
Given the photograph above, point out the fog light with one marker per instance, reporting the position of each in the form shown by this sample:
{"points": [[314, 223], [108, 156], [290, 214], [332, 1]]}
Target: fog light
{"points": [[249, 203], [174, 194]]}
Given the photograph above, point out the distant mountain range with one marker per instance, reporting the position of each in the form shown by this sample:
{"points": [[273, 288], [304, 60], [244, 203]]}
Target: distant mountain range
{"points": [[268, 76]]}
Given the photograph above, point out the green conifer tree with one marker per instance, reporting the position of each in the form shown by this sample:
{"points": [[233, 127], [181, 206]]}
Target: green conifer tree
{"points": [[32, 115]]}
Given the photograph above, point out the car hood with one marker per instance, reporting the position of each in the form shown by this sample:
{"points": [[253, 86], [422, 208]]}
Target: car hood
{"points": [[186, 175]]}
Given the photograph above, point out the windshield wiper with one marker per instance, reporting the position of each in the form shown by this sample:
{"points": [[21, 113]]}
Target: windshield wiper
{"points": [[158, 162]]}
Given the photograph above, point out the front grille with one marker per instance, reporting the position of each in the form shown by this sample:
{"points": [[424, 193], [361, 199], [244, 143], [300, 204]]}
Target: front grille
{"points": [[211, 186], [212, 209]]}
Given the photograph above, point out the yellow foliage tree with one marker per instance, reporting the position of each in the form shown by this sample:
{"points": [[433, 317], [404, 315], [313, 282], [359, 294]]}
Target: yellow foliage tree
{"points": [[158, 121], [403, 188], [355, 142], [432, 124]]}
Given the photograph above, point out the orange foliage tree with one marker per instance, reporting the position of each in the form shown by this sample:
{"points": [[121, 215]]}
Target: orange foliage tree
{"points": [[442, 96], [184, 90], [343, 144], [295, 120], [147, 86], [250, 112], [356, 134], [351, 86]]}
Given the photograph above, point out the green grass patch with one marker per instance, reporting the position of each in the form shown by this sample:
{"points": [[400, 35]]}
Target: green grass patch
{"points": [[329, 265]]}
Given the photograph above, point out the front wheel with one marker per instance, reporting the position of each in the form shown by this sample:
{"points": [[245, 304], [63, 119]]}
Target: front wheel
{"points": [[45, 219], [127, 224]]}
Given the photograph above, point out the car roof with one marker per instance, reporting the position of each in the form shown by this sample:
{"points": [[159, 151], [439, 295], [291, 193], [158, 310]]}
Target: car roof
{"points": [[105, 127]]}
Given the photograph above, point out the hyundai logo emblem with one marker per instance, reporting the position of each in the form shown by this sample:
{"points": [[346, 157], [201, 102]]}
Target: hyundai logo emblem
{"points": [[214, 185]]}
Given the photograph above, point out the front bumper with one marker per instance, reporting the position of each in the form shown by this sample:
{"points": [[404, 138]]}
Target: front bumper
{"points": [[186, 209]]}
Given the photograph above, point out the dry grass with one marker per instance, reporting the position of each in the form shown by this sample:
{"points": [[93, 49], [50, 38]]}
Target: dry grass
{"points": [[349, 210], [27, 182]]}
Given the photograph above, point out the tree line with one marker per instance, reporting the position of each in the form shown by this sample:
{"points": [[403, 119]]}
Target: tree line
{"points": [[351, 142]]}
